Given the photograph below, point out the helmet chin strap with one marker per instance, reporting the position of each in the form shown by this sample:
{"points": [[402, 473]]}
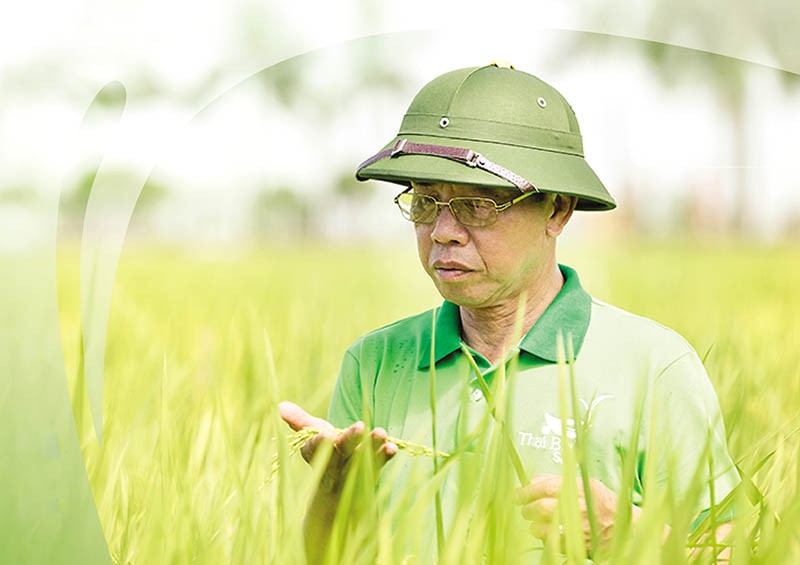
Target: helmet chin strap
{"points": [[462, 155]]}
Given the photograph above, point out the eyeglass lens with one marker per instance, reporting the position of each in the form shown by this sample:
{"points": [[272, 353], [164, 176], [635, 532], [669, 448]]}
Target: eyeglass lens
{"points": [[470, 211]]}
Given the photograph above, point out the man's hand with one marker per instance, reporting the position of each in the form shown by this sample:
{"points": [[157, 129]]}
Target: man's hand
{"points": [[325, 502], [344, 443], [539, 501]]}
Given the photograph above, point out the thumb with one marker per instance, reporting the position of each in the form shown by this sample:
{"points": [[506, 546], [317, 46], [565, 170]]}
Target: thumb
{"points": [[298, 419]]}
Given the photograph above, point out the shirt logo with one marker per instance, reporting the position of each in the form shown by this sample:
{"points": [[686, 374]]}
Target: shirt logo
{"points": [[552, 426], [551, 432]]}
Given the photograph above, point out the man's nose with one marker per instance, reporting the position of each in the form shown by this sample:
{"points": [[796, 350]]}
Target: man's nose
{"points": [[446, 228]]}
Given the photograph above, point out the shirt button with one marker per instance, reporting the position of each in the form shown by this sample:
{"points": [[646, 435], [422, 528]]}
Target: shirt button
{"points": [[476, 394]]}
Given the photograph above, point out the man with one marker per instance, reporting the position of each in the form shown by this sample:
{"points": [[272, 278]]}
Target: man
{"points": [[492, 159]]}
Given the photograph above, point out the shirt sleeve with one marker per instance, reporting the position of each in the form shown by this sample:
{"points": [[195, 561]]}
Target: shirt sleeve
{"points": [[347, 401], [687, 438]]}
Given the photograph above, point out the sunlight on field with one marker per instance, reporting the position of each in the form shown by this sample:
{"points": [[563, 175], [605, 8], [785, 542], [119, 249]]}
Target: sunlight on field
{"points": [[201, 348]]}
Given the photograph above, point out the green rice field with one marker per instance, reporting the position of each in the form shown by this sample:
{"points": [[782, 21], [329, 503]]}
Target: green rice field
{"points": [[195, 466]]}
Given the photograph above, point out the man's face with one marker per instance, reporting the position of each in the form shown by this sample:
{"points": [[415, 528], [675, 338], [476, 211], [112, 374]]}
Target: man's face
{"points": [[479, 267]]}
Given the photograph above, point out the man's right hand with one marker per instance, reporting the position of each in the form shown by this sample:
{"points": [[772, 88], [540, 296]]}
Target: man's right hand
{"points": [[344, 443]]}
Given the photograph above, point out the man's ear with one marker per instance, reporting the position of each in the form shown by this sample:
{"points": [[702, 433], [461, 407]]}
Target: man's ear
{"points": [[563, 207]]}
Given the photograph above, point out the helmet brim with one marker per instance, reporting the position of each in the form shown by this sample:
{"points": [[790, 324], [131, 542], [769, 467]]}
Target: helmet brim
{"points": [[548, 171]]}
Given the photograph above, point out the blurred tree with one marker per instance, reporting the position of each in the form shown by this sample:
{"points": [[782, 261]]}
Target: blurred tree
{"points": [[282, 213], [18, 195], [153, 192], [319, 87], [375, 57], [73, 202], [351, 190], [767, 26]]}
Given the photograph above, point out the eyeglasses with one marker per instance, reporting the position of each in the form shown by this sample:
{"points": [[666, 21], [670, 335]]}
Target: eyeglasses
{"points": [[472, 211]]}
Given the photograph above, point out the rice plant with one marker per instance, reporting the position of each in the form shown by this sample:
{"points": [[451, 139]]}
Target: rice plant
{"points": [[196, 466]]}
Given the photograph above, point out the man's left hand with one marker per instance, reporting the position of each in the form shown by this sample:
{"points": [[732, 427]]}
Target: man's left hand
{"points": [[539, 501]]}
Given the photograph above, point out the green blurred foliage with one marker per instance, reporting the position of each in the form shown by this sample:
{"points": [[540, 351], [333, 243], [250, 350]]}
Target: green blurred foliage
{"points": [[74, 200], [739, 26], [19, 195], [350, 189], [282, 213]]}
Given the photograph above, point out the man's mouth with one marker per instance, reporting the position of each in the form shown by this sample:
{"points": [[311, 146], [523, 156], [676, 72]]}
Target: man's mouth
{"points": [[451, 270]]}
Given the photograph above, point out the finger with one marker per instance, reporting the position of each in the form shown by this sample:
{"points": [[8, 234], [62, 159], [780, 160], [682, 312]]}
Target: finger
{"points": [[593, 488], [545, 531], [346, 442], [298, 419], [383, 448], [541, 510], [312, 446], [539, 530], [388, 450], [378, 437], [540, 486]]}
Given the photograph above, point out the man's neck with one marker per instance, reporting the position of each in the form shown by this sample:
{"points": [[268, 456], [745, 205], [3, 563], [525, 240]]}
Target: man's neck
{"points": [[490, 331]]}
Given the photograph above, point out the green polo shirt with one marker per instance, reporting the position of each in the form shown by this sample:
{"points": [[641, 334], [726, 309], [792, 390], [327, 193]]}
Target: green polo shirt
{"points": [[621, 361]]}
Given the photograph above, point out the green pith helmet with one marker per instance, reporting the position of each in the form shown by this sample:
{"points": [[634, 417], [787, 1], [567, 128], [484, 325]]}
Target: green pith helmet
{"points": [[490, 126]]}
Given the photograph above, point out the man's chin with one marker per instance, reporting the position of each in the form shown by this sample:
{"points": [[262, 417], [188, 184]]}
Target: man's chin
{"points": [[460, 295]]}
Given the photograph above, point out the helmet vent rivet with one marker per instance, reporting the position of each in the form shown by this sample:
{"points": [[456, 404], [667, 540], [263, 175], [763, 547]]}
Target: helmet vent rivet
{"points": [[542, 102], [444, 122]]}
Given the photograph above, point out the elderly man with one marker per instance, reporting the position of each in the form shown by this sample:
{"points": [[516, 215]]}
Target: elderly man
{"points": [[492, 159]]}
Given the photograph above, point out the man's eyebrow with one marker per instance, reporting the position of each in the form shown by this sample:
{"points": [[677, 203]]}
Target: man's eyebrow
{"points": [[422, 187], [498, 195], [495, 194]]}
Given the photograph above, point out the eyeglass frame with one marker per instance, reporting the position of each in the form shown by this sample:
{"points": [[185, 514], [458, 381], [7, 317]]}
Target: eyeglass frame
{"points": [[498, 207]]}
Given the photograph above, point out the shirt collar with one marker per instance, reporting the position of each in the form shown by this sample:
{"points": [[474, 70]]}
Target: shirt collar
{"points": [[568, 314]]}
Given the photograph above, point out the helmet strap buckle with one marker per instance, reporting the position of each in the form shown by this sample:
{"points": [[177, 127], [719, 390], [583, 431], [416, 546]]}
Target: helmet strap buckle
{"points": [[398, 148]]}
